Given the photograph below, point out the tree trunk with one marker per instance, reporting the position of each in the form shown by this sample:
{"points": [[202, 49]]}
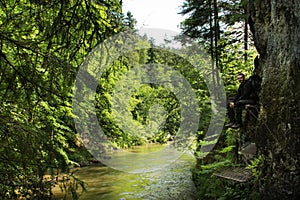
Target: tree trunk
{"points": [[212, 52], [246, 35], [276, 29], [216, 32]]}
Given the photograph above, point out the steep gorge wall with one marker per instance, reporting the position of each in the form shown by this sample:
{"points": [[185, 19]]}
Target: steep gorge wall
{"points": [[276, 28]]}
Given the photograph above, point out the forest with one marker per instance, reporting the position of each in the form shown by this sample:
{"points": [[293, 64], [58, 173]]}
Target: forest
{"points": [[70, 96]]}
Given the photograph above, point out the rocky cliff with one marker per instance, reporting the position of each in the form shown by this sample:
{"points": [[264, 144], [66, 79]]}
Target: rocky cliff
{"points": [[276, 28]]}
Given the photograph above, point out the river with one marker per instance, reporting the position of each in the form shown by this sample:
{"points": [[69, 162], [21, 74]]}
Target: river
{"points": [[171, 182]]}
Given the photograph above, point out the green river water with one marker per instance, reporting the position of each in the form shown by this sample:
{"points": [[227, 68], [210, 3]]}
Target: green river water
{"points": [[171, 182]]}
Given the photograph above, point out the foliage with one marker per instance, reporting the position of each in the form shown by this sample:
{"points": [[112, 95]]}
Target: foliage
{"points": [[212, 187], [256, 166], [42, 45], [142, 100]]}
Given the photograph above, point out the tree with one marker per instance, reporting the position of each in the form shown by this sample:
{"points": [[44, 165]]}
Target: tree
{"points": [[222, 27], [42, 44], [275, 26], [202, 24], [209, 22]]}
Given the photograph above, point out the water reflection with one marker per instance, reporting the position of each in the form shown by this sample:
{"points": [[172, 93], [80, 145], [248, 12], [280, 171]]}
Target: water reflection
{"points": [[171, 182]]}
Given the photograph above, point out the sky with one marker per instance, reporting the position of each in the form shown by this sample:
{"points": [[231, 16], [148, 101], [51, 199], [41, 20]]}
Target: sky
{"points": [[155, 13]]}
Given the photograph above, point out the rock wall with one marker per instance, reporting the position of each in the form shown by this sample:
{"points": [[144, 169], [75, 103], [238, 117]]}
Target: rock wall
{"points": [[276, 28]]}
